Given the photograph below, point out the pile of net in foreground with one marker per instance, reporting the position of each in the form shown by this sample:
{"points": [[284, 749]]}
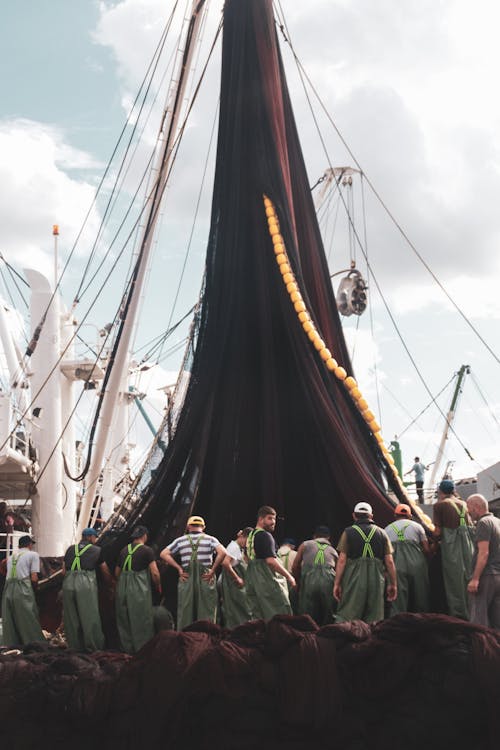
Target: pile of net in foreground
{"points": [[414, 681]]}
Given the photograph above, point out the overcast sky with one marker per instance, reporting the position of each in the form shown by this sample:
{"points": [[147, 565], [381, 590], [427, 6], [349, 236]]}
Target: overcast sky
{"points": [[410, 85]]}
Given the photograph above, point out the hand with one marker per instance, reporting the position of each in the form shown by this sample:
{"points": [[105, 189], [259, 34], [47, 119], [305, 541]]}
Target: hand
{"points": [[473, 586], [208, 576], [337, 592], [183, 575], [392, 592], [240, 582], [292, 582]]}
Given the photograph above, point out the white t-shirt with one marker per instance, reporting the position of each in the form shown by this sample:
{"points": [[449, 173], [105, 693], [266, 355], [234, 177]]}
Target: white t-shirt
{"points": [[28, 562], [235, 552]]}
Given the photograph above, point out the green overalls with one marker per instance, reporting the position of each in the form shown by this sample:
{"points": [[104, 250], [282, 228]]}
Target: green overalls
{"points": [[456, 556], [134, 606], [316, 588], [196, 598], [412, 573], [235, 607], [20, 619], [267, 591], [362, 584], [82, 621]]}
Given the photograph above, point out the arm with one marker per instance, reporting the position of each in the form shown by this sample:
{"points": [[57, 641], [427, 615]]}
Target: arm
{"points": [[155, 575], [277, 567], [106, 573], [483, 551], [297, 563], [226, 564], [167, 557], [339, 573], [34, 579], [219, 557], [425, 546], [392, 587], [118, 570]]}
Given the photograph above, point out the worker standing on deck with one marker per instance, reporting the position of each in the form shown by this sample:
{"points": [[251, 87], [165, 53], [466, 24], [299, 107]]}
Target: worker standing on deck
{"points": [[235, 607], [411, 550], [267, 579], [136, 571], [82, 620], [484, 586], [20, 618], [314, 571], [365, 554], [454, 528], [419, 469], [200, 557]]}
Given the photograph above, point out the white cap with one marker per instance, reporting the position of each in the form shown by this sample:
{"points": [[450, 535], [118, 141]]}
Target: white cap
{"points": [[363, 508]]}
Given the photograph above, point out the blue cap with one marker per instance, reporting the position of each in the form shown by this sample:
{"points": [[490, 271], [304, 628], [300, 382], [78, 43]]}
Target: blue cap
{"points": [[89, 532], [447, 486], [290, 541]]}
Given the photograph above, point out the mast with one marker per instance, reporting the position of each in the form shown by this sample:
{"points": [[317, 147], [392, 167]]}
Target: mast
{"points": [[464, 370], [120, 364]]}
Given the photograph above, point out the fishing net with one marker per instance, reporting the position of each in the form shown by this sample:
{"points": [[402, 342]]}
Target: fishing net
{"points": [[263, 420]]}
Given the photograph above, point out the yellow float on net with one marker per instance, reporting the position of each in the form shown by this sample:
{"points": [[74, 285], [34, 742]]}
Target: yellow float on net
{"points": [[312, 334], [368, 415], [291, 287], [356, 393], [287, 278], [281, 258], [303, 316], [279, 248], [350, 382], [274, 231], [362, 404], [277, 239], [284, 268], [332, 364], [295, 296], [299, 306], [307, 326], [340, 373], [325, 354], [319, 344]]}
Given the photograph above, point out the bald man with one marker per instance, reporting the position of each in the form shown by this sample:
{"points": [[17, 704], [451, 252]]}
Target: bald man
{"points": [[484, 586]]}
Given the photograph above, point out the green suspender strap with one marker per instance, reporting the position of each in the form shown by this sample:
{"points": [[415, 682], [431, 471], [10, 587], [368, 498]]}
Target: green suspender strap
{"points": [[284, 559], [13, 570], [367, 549], [250, 544], [461, 513], [400, 533], [194, 547], [127, 565], [76, 565], [320, 554]]}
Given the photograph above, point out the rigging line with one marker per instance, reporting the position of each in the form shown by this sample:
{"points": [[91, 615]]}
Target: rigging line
{"points": [[157, 194], [480, 416], [485, 400], [388, 211], [163, 336], [365, 237], [415, 419], [193, 225], [172, 350], [13, 270], [7, 289], [149, 74]]}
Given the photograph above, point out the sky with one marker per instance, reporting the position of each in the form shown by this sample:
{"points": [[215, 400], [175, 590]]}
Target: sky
{"points": [[411, 88]]}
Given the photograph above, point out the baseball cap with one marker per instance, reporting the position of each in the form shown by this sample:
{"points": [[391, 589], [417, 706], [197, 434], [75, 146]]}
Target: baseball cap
{"points": [[89, 532], [195, 521], [25, 540], [402, 510], [363, 508], [447, 486]]}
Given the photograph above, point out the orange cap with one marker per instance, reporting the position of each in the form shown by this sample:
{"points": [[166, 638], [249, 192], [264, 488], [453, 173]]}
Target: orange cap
{"points": [[403, 510]]}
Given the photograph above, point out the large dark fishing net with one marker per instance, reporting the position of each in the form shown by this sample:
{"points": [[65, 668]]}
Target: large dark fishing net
{"points": [[263, 421], [412, 682]]}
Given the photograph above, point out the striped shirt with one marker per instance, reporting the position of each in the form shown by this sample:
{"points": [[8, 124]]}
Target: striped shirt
{"points": [[206, 548]]}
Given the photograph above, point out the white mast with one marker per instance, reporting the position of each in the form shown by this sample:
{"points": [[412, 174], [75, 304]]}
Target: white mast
{"points": [[47, 505], [167, 139]]}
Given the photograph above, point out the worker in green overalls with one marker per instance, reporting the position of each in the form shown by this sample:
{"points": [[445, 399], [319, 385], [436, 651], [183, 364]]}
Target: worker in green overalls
{"points": [[82, 620], [411, 550], [365, 555], [314, 571], [20, 619], [453, 527], [235, 606], [136, 571], [200, 556], [267, 580]]}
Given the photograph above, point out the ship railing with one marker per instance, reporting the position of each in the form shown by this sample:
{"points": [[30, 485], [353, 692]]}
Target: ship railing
{"points": [[9, 543]]}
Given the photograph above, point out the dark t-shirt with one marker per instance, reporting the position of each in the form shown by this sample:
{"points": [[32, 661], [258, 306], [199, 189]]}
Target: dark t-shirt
{"points": [[264, 545], [90, 560], [488, 530], [445, 513], [141, 558], [352, 544]]}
